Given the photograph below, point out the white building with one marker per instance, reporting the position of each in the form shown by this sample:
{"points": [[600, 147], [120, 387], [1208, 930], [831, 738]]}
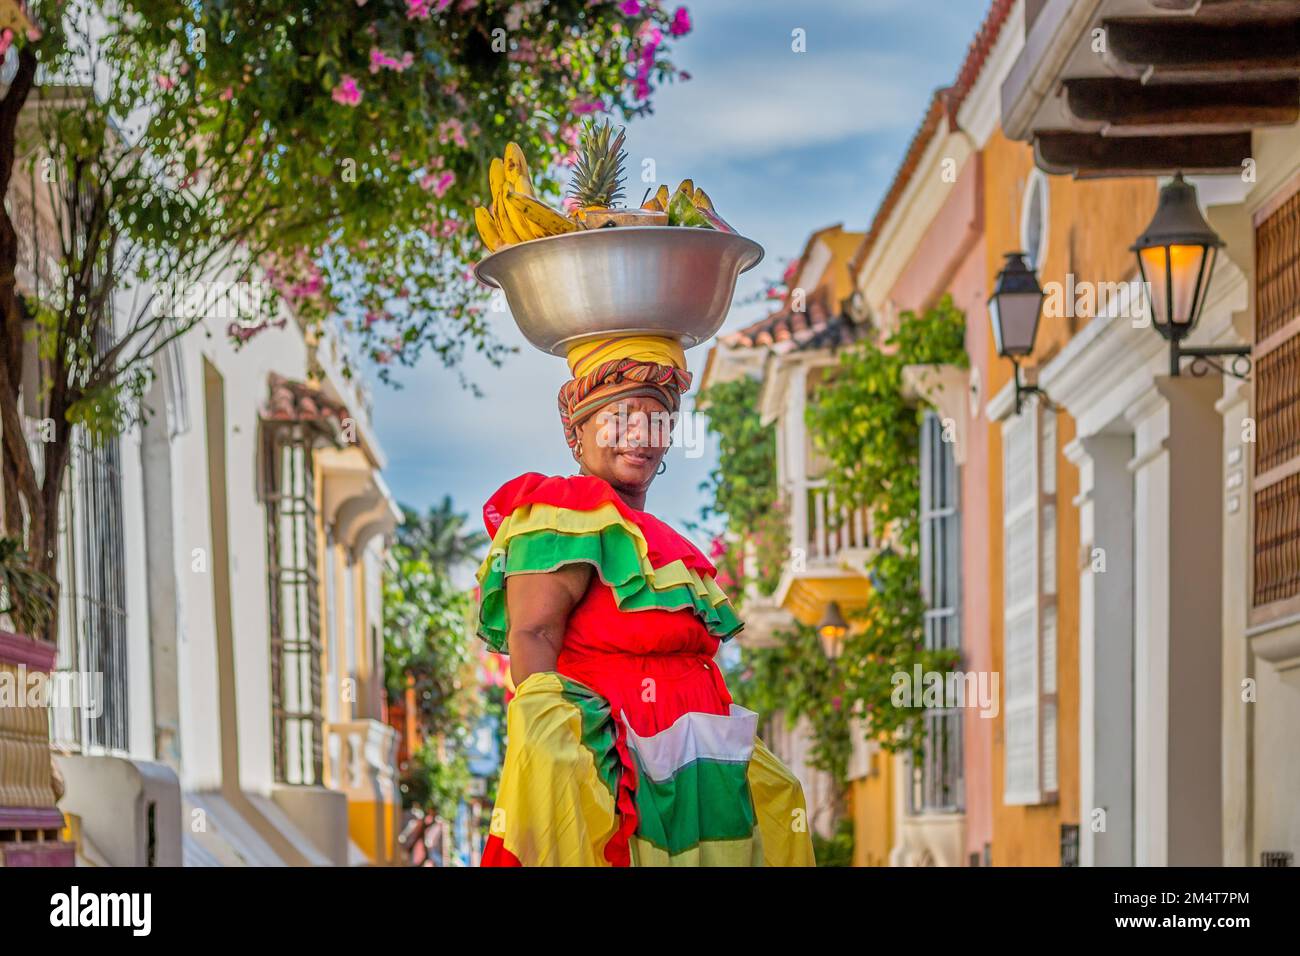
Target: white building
{"points": [[221, 597]]}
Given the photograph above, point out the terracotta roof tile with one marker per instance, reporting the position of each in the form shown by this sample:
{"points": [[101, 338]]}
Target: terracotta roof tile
{"points": [[293, 401]]}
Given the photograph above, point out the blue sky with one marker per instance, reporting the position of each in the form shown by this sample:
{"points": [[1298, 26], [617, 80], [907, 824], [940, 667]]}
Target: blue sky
{"points": [[784, 142]]}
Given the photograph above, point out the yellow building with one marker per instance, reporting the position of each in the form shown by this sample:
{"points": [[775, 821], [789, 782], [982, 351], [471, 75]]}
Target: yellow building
{"points": [[791, 350]]}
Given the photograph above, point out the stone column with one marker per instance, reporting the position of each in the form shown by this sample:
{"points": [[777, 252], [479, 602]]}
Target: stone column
{"points": [[1238, 656], [1105, 648], [1177, 622]]}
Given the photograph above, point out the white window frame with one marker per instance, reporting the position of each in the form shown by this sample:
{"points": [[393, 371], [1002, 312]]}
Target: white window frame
{"points": [[1037, 697]]}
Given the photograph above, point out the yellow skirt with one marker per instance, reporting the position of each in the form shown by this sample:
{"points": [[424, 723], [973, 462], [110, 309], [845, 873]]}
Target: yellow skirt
{"points": [[580, 788]]}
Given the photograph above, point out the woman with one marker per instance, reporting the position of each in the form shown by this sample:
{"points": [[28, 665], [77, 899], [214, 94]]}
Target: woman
{"points": [[623, 745]]}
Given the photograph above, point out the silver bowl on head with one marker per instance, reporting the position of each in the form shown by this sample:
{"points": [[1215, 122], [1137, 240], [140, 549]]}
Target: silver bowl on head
{"points": [[629, 280]]}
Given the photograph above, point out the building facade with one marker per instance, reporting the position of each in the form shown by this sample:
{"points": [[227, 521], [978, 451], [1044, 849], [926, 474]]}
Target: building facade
{"points": [[1119, 547], [221, 620]]}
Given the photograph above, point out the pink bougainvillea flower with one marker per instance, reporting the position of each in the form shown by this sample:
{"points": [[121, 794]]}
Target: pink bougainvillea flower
{"points": [[445, 182], [6, 41], [165, 82], [347, 92], [379, 60], [649, 33], [681, 24], [454, 130], [630, 8], [583, 107], [227, 94], [417, 9]]}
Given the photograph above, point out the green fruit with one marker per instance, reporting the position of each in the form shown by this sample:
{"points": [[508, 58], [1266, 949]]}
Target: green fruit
{"points": [[682, 212]]}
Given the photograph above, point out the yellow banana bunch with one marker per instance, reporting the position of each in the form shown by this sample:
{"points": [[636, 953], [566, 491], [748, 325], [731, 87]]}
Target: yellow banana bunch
{"points": [[516, 215]]}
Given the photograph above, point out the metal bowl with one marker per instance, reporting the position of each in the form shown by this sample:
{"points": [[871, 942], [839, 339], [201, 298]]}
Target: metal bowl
{"points": [[630, 280]]}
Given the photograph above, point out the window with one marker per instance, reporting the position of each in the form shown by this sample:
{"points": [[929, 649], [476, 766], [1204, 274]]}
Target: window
{"points": [[1276, 571], [92, 635], [1069, 844], [937, 783], [1033, 220], [294, 605], [1029, 606]]}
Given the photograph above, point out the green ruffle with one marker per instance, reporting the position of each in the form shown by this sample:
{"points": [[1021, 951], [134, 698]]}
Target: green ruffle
{"points": [[613, 553]]}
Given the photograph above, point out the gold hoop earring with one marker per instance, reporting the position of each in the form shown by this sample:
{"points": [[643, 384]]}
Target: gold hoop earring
{"points": [[577, 450]]}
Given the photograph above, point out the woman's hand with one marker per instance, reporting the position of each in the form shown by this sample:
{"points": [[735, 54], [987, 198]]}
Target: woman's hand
{"points": [[538, 608]]}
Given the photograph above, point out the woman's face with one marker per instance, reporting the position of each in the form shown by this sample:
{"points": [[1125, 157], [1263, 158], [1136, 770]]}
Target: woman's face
{"points": [[624, 441]]}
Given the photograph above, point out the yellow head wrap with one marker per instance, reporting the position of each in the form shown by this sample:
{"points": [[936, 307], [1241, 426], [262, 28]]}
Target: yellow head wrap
{"points": [[586, 356], [608, 369]]}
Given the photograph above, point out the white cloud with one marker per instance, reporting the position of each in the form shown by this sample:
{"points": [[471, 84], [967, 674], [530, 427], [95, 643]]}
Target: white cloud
{"points": [[753, 107]]}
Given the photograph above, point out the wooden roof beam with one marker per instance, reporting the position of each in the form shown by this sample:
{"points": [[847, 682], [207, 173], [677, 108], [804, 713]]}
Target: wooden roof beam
{"points": [[1192, 50], [1124, 107], [1086, 155]]}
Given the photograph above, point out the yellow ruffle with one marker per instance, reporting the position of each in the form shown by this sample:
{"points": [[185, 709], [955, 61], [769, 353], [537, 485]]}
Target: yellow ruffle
{"points": [[552, 808], [544, 517], [782, 814]]}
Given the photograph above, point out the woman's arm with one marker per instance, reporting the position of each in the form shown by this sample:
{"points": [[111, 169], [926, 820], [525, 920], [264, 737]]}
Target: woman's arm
{"points": [[538, 608]]}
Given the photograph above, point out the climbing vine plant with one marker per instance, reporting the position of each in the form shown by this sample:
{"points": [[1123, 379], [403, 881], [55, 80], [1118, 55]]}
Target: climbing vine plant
{"points": [[742, 489], [869, 433]]}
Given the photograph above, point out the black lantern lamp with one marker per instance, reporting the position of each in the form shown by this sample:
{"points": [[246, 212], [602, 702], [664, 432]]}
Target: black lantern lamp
{"points": [[832, 629], [1175, 255], [1014, 309]]}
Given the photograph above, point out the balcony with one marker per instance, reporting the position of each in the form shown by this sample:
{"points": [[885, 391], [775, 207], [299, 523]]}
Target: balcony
{"points": [[361, 762], [829, 547], [829, 535]]}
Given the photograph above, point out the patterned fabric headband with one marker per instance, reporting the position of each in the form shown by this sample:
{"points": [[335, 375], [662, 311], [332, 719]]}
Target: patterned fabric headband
{"points": [[615, 369]]}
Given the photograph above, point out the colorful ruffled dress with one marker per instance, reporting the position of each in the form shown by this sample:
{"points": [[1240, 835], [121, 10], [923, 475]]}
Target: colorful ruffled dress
{"points": [[631, 753]]}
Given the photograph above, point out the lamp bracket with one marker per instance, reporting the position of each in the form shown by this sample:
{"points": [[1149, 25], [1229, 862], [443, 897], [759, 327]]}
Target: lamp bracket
{"points": [[1023, 390], [1205, 358]]}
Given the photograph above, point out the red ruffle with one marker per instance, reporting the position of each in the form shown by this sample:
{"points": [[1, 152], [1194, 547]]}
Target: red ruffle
{"points": [[586, 493]]}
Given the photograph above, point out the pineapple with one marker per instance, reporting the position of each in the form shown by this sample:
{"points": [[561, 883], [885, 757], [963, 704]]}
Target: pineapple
{"points": [[598, 177]]}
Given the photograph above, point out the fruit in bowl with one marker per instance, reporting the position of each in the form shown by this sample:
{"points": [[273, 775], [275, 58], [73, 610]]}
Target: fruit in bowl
{"points": [[517, 215]]}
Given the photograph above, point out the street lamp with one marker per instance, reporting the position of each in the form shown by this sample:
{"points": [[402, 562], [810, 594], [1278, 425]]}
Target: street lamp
{"points": [[1175, 255], [832, 629], [1014, 308]]}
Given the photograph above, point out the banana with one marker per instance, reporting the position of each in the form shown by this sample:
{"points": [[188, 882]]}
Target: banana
{"points": [[523, 225], [540, 217], [496, 177], [497, 180], [516, 169], [487, 229], [518, 223]]}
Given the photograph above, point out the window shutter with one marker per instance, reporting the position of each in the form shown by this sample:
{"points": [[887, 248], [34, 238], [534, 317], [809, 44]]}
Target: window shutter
{"points": [[1020, 607], [1276, 567]]}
